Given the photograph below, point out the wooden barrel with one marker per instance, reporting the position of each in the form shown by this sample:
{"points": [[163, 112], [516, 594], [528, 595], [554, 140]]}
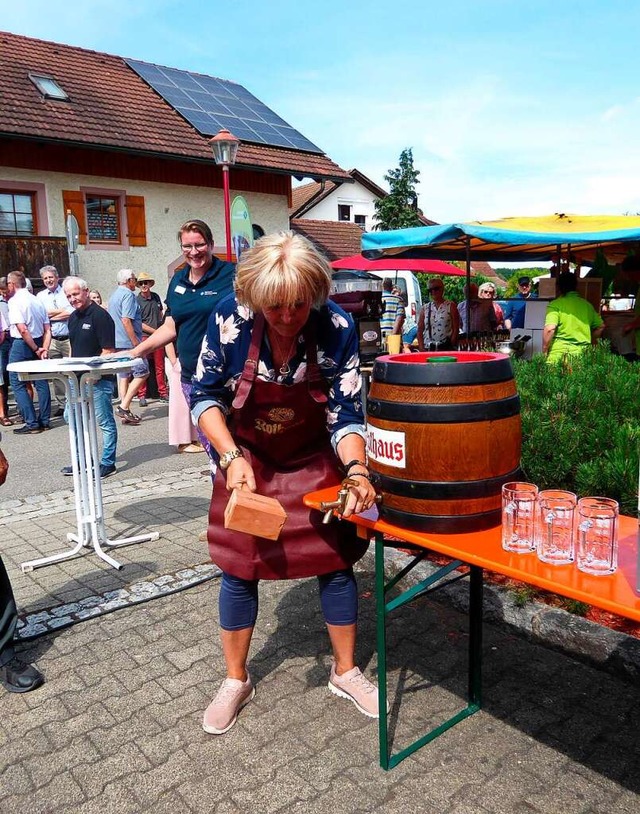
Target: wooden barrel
{"points": [[443, 437]]}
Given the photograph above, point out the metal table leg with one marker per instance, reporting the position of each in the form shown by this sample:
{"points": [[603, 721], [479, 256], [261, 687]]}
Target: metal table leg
{"points": [[383, 608], [87, 485]]}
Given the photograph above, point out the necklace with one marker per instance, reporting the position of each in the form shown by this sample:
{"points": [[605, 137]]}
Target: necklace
{"points": [[285, 367]]}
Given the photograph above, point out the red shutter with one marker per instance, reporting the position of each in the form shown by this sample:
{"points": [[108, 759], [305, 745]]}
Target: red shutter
{"points": [[73, 201], [136, 225]]}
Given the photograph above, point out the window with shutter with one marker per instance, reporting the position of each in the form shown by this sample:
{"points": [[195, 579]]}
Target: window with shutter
{"points": [[107, 218]]}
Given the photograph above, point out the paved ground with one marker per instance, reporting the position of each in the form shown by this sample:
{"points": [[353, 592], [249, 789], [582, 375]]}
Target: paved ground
{"points": [[37, 459], [116, 728]]}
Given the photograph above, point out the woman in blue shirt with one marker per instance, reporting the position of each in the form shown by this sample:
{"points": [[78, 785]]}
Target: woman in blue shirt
{"points": [[277, 392], [194, 292]]}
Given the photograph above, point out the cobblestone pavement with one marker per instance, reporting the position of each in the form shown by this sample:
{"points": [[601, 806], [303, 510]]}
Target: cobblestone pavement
{"points": [[117, 726]]}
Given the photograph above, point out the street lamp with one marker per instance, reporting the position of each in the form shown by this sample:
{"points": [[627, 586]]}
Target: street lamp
{"points": [[225, 148]]}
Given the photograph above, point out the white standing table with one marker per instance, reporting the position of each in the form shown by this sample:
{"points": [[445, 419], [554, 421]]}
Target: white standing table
{"points": [[78, 378]]}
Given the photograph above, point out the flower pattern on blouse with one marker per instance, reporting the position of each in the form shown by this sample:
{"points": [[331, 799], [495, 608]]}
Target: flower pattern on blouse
{"points": [[226, 346]]}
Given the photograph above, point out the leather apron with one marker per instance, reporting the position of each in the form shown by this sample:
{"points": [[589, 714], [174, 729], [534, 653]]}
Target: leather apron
{"points": [[283, 433]]}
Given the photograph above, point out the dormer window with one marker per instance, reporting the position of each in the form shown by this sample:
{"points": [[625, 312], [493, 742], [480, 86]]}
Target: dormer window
{"points": [[48, 87]]}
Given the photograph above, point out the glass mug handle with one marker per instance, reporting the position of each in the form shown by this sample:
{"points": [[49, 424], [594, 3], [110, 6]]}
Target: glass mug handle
{"points": [[584, 528], [549, 518]]}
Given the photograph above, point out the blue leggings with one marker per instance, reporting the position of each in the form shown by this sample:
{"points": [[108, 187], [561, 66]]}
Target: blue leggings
{"points": [[238, 601]]}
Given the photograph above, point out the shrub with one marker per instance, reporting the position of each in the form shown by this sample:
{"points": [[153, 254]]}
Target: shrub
{"points": [[581, 424]]}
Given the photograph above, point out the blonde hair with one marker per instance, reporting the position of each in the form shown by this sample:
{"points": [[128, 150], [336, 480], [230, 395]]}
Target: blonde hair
{"points": [[487, 287], [282, 269]]}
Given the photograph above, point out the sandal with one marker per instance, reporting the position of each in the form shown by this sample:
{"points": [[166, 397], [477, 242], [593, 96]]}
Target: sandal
{"points": [[129, 418], [6, 422]]}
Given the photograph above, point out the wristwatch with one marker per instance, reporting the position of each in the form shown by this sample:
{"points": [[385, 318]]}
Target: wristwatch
{"points": [[227, 457]]}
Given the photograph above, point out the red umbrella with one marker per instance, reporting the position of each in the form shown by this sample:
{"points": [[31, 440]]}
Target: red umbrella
{"points": [[356, 262]]}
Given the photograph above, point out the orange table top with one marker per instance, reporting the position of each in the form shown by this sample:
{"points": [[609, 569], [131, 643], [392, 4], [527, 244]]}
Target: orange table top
{"points": [[614, 592]]}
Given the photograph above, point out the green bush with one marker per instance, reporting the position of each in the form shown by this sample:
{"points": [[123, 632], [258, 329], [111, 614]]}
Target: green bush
{"points": [[581, 425]]}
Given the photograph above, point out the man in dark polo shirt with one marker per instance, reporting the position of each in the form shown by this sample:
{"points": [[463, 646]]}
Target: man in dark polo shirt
{"points": [[92, 333]]}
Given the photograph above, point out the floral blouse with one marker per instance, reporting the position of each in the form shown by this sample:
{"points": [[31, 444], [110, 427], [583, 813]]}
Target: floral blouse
{"points": [[226, 346]]}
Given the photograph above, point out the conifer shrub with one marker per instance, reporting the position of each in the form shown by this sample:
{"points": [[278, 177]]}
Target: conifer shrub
{"points": [[581, 424]]}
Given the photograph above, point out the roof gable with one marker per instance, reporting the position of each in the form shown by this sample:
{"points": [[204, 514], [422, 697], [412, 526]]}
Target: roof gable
{"points": [[306, 196]]}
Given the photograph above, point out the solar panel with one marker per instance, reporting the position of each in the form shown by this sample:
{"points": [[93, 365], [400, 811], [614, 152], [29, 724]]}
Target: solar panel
{"points": [[209, 104]]}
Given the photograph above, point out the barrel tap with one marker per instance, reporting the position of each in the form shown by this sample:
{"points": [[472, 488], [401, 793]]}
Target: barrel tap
{"points": [[340, 504]]}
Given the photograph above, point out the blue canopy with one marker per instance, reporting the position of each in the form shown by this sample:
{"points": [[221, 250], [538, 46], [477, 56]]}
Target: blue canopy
{"points": [[511, 239]]}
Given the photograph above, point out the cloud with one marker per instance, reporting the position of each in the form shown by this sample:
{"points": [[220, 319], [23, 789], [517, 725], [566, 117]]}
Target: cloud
{"points": [[485, 148]]}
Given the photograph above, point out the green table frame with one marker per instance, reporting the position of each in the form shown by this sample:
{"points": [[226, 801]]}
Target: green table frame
{"points": [[384, 607]]}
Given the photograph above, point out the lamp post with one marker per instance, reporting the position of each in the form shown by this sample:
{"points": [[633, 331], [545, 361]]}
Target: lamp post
{"points": [[225, 149]]}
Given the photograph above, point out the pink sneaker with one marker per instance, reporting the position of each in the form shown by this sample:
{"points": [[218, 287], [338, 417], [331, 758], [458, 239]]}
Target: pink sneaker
{"points": [[222, 712], [353, 686]]}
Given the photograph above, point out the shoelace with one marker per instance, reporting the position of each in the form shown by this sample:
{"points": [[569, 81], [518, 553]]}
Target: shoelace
{"points": [[363, 682], [226, 692]]}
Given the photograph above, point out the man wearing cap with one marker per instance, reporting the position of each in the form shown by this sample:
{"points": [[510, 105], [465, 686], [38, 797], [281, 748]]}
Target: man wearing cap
{"points": [[515, 308], [152, 316]]}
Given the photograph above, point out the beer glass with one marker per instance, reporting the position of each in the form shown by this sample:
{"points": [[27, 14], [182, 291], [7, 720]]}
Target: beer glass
{"points": [[518, 516], [554, 526], [597, 535]]}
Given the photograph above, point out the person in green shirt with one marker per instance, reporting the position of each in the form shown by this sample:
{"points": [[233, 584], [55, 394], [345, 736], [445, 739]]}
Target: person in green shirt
{"points": [[571, 323]]}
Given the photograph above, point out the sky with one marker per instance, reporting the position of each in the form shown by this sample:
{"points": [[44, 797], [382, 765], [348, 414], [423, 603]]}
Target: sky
{"points": [[509, 108]]}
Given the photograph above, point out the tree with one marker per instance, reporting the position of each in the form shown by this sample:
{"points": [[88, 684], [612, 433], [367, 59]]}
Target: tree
{"points": [[399, 209]]}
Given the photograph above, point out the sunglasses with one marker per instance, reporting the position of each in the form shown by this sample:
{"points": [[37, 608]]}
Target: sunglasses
{"points": [[435, 288]]}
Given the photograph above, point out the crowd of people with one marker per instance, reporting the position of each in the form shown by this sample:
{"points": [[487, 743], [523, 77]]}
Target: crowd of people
{"points": [[570, 323], [264, 369]]}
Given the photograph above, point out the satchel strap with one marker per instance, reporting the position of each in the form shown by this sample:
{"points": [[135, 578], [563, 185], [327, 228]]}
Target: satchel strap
{"points": [[250, 369]]}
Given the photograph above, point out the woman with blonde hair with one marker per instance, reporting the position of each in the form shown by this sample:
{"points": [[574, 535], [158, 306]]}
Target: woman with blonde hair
{"points": [[487, 291], [277, 392]]}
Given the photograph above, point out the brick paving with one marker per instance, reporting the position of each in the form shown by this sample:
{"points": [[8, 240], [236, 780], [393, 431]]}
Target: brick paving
{"points": [[117, 726]]}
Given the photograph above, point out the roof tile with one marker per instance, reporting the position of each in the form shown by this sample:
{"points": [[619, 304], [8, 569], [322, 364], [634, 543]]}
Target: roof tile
{"points": [[334, 238]]}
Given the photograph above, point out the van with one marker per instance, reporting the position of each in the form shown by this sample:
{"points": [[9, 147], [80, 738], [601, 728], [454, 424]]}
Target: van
{"points": [[407, 282]]}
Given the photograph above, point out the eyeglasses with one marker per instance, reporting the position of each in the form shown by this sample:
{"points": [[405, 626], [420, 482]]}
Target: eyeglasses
{"points": [[143, 282], [197, 247]]}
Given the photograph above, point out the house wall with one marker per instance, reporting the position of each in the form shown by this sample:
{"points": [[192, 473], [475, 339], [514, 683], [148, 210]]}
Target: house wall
{"points": [[167, 206], [355, 195]]}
